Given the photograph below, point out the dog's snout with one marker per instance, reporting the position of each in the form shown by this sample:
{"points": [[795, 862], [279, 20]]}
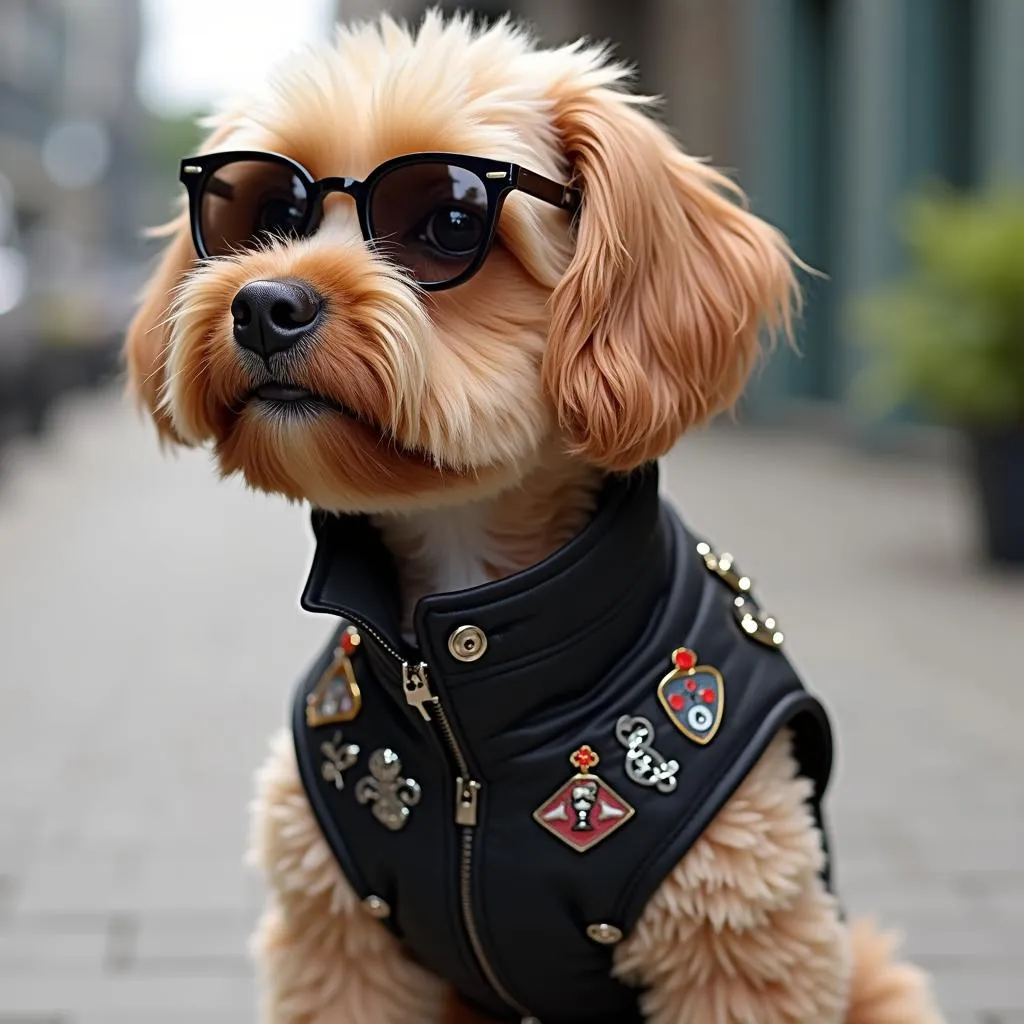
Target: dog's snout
{"points": [[271, 316]]}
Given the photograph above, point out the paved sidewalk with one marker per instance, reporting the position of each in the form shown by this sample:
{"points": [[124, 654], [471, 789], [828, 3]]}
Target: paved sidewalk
{"points": [[149, 636]]}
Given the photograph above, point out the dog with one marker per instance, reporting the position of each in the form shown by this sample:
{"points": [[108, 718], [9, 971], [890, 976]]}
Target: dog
{"points": [[458, 292]]}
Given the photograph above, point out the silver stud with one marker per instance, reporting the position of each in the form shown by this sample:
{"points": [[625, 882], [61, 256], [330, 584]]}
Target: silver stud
{"points": [[192, 169], [376, 907], [605, 934], [467, 643]]}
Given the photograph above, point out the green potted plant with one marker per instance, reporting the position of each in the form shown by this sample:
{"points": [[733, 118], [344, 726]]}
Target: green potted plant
{"points": [[947, 339]]}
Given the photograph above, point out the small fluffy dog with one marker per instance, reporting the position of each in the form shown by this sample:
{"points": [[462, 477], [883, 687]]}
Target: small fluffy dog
{"points": [[458, 292]]}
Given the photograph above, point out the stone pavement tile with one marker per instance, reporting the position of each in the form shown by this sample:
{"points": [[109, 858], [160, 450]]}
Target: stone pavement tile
{"points": [[21, 1018], [996, 893], [988, 986], [956, 938], [198, 942], [180, 997], [158, 1017], [98, 883], [17, 831], [64, 943], [201, 884], [78, 884]]}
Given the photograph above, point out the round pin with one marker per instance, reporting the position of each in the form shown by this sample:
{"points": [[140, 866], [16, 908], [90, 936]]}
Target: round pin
{"points": [[376, 907], [467, 643], [605, 934]]}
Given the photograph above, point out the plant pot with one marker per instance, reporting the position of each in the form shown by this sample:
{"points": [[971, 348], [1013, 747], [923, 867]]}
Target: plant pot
{"points": [[999, 470]]}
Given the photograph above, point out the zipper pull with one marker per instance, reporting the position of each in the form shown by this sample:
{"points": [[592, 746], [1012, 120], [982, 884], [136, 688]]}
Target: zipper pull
{"points": [[416, 687], [466, 791]]}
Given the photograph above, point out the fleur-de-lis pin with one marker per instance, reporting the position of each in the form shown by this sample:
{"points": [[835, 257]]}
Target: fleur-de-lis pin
{"points": [[389, 794], [338, 758], [337, 697]]}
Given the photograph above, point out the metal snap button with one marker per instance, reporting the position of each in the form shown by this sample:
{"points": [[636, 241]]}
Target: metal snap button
{"points": [[467, 643], [376, 907], [606, 934]]}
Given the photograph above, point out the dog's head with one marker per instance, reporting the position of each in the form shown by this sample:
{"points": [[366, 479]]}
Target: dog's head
{"points": [[328, 368]]}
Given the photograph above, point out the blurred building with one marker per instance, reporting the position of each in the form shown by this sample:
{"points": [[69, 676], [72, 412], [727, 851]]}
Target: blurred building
{"points": [[828, 112], [69, 126]]}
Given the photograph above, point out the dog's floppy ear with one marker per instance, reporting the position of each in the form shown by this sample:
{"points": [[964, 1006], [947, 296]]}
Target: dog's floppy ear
{"points": [[655, 324]]}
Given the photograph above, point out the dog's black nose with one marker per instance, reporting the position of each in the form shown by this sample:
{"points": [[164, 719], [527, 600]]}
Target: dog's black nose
{"points": [[271, 316]]}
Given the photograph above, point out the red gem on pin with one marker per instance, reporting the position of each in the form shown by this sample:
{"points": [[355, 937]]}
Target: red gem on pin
{"points": [[684, 659], [676, 700], [708, 696], [349, 641], [584, 758], [691, 685]]}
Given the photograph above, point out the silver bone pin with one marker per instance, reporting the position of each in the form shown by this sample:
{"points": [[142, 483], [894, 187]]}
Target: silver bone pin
{"points": [[338, 758], [644, 765], [390, 796]]}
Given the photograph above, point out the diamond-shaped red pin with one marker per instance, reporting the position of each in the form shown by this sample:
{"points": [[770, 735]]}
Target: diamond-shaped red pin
{"points": [[585, 809]]}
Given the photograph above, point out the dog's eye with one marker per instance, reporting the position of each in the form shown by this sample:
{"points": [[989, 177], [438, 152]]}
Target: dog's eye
{"points": [[278, 215], [452, 231]]}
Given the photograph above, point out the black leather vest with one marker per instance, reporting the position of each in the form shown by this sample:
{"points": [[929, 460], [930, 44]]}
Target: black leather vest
{"points": [[449, 798]]}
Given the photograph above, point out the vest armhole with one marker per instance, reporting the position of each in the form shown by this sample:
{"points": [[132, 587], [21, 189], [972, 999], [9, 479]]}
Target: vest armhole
{"points": [[812, 747]]}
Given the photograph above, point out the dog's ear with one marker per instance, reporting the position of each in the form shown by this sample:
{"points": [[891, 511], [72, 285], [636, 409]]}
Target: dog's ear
{"points": [[149, 333], [655, 324]]}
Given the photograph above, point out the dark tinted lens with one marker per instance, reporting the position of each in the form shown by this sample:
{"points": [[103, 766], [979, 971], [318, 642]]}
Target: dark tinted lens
{"points": [[248, 201], [431, 218]]}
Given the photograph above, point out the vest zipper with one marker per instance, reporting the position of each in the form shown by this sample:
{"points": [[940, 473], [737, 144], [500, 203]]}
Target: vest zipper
{"points": [[467, 792], [416, 687]]}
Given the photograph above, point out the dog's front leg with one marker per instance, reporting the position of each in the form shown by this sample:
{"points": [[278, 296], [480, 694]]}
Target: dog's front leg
{"points": [[743, 930], [322, 958]]}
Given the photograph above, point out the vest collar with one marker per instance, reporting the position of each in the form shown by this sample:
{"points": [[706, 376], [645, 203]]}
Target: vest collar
{"points": [[575, 612]]}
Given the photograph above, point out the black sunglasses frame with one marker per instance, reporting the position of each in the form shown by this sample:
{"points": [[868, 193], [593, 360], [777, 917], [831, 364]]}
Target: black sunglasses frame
{"points": [[499, 178]]}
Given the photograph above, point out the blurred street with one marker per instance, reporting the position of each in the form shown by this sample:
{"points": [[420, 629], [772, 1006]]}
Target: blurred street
{"points": [[149, 637]]}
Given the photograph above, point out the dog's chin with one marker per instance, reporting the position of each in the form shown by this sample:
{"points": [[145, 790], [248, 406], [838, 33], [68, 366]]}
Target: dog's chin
{"points": [[308, 447]]}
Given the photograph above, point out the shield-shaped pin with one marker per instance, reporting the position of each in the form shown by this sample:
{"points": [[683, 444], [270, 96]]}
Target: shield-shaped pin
{"points": [[693, 696], [337, 697]]}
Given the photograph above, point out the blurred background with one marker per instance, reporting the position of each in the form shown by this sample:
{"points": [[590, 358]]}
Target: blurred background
{"points": [[873, 481]]}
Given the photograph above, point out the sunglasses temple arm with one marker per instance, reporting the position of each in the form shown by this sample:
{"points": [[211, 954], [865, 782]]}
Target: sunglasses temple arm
{"points": [[549, 191]]}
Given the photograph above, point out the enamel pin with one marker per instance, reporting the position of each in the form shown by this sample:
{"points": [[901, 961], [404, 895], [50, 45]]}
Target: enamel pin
{"points": [[388, 793], [586, 809], [337, 697], [644, 765], [338, 758], [693, 696]]}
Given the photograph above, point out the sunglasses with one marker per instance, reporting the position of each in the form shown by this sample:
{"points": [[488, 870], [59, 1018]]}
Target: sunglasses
{"points": [[434, 214]]}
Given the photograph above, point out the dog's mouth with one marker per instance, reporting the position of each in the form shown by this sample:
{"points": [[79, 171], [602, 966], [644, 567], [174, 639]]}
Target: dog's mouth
{"points": [[292, 399], [283, 393]]}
